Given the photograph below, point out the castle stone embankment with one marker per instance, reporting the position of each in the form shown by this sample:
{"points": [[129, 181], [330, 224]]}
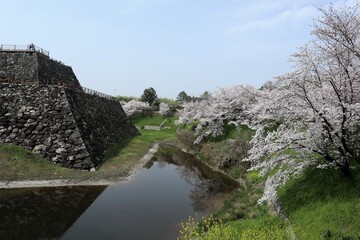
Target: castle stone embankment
{"points": [[65, 126], [31, 67]]}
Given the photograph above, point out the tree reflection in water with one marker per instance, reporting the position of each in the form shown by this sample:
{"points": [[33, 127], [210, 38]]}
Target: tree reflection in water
{"points": [[211, 187]]}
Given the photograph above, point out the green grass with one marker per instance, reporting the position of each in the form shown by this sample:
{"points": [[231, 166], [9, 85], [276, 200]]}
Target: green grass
{"points": [[322, 200], [154, 120], [169, 101], [261, 228], [228, 153], [210, 228], [242, 204], [126, 98], [16, 163], [229, 131]]}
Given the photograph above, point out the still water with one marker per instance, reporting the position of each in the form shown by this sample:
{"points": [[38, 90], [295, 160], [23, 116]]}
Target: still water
{"points": [[173, 186]]}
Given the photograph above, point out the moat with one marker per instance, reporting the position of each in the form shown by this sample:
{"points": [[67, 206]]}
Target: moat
{"points": [[172, 187]]}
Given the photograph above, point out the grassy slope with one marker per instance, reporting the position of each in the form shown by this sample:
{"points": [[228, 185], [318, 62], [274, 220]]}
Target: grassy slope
{"points": [[17, 163], [322, 200], [318, 201], [241, 212]]}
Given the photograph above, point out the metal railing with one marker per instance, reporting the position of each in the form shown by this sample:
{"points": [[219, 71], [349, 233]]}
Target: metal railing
{"points": [[30, 47], [93, 92]]}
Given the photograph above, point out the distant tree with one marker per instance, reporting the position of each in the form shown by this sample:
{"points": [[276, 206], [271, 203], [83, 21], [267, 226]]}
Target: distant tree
{"points": [[126, 98], [156, 104], [164, 109], [183, 97], [205, 95], [269, 85], [169, 101], [149, 95], [134, 107]]}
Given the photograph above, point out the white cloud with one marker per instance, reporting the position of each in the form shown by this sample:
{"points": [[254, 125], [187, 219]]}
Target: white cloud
{"points": [[283, 18]]}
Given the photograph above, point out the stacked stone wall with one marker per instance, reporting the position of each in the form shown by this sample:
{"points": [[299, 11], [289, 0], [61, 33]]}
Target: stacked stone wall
{"points": [[52, 72], [28, 67], [102, 122], [68, 127], [20, 67]]}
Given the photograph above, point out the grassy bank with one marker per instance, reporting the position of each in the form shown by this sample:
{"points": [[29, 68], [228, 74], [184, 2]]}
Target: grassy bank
{"points": [[323, 204], [241, 216], [17, 163], [320, 204]]}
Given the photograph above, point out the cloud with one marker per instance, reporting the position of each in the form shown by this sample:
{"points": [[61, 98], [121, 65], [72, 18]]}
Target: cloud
{"points": [[283, 18]]}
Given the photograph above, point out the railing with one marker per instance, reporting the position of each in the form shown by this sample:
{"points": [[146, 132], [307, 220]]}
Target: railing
{"points": [[30, 47], [93, 92]]}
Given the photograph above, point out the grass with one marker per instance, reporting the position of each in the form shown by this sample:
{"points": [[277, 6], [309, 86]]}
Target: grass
{"points": [[242, 204], [260, 228], [154, 120], [227, 151], [16, 163], [322, 200]]}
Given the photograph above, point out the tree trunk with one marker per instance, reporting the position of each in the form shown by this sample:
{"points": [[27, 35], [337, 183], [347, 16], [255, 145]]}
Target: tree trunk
{"points": [[346, 170]]}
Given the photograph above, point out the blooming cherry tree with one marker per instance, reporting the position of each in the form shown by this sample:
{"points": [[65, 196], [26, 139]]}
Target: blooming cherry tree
{"points": [[226, 106], [311, 116], [136, 107], [164, 109]]}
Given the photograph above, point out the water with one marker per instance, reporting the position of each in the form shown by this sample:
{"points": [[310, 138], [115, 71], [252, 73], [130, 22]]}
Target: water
{"points": [[150, 206]]}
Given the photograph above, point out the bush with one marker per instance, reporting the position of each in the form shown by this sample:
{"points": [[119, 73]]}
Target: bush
{"points": [[125, 98]]}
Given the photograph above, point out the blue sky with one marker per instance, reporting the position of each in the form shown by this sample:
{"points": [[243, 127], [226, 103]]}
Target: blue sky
{"points": [[170, 45]]}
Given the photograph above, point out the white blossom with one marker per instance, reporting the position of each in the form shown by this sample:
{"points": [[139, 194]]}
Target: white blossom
{"points": [[226, 106], [311, 116], [136, 107], [164, 109]]}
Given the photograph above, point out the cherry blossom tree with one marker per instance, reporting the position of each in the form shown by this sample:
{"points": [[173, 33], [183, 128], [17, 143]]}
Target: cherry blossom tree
{"points": [[311, 116], [136, 107], [226, 106], [164, 109]]}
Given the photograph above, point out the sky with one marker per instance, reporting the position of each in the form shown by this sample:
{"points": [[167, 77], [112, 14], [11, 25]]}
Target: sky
{"points": [[122, 47]]}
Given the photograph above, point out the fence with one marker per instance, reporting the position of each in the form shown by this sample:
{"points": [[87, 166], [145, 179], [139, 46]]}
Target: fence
{"points": [[93, 92], [30, 47]]}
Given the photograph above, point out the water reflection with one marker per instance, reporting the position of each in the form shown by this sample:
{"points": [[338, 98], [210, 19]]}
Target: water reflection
{"points": [[211, 188], [42, 213], [174, 186]]}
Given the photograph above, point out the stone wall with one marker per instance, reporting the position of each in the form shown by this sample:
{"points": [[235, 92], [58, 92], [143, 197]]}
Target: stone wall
{"points": [[31, 67], [52, 72], [102, 122], [68, 127], [19, 67]]}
